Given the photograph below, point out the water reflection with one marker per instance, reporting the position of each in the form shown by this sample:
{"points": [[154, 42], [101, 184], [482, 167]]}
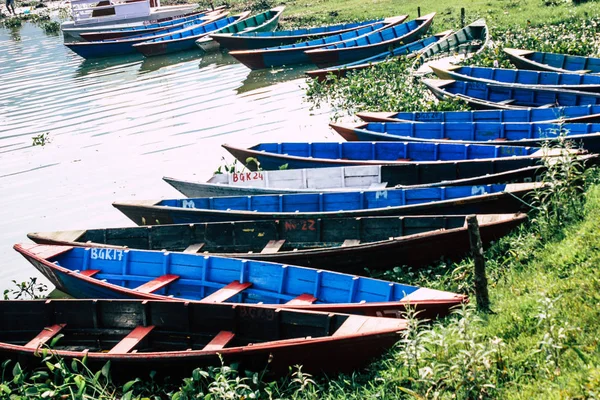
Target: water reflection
{"points": [[117, 125]]}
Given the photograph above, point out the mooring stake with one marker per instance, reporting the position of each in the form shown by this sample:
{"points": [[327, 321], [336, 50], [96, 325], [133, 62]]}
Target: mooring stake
{"points": [[481, 288], [462, 17]]}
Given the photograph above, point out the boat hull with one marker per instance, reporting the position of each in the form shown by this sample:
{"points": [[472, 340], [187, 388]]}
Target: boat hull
{"points": [[550, 115], [317, 353], [503, 202], [412, 241], [327, 56]]}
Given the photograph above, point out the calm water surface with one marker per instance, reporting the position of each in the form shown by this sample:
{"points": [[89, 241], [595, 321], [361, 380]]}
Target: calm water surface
{"points": [[117, 126]]}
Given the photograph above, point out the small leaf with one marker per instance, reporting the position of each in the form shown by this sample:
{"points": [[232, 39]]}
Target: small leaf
{"points": [[106, 370]]}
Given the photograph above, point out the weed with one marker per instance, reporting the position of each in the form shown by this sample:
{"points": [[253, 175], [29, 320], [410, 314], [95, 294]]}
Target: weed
{"points": [[41, 140], [383, 87], [31, 289]]}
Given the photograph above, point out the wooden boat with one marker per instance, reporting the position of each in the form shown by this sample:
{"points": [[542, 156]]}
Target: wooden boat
{"points": [[360, 177], [119, 33], [489, 96], [172, 338], [337, 244], [156, 275], [521, 78], [261, 40], [295, 53], [548, 115], [290, 155], [477, 199], [185, 39], [263, 22], [586, 136], [465, 43], [107, 48], [122, 18], [407, 50], [539, 61], [370, 45]]}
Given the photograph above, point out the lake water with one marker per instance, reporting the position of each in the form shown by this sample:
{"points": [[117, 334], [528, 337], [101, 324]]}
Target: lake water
{"points": [[117, 126]]}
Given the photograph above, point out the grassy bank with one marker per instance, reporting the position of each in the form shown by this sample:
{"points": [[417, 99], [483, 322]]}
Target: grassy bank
{"points": [[497, 12]]}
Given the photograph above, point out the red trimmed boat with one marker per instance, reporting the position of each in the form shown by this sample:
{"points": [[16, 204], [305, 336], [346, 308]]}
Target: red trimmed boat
{"points": [[173, 338]]}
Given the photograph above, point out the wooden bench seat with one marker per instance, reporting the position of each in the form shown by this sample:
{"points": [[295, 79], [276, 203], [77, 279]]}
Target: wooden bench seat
{"points": [[156, 284], [303, 299], [272, 247], [89, 272], [45, 335], [226, 292], [194, 248], [130, 341], [219, 341]]}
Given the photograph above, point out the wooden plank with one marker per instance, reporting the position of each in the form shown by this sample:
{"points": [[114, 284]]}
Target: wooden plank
{"points": [[89, 272], [507, 101], [156, 284], [194, 248], [219, 341], [130, 341], [351, 326], [45, 335], [226, 292], [303, 299], [272, 247], [350, 242]]}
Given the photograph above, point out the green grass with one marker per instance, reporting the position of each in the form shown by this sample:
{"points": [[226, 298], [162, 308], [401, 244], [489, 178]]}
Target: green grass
{"points": [[498, 12]]}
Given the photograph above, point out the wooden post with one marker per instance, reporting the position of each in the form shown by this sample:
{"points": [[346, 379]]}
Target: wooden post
{"points": [[462, 17], [418, 12], [481, 289]]}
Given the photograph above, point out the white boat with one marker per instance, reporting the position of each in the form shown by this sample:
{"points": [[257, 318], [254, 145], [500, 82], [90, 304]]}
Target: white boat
{"points": [[96, 15]]}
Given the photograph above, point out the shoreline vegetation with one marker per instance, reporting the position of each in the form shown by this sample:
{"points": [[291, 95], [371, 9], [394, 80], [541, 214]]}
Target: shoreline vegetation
{"points": [[541, 339]]}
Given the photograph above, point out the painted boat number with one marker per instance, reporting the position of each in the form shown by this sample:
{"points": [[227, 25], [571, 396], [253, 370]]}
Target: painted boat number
{"points": [[106, 254], [308, 225], [247, 176]]}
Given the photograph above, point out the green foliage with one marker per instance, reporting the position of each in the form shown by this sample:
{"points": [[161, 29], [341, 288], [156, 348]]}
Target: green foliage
{"points": [[12, 23], [55, 379], [576, 37], [383, 87], [41, 140], [26, 290], [230, 168], [51, 27]]}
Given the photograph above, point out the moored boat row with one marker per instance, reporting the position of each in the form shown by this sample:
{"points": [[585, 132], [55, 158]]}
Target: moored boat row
{"points": [[264, 266]]}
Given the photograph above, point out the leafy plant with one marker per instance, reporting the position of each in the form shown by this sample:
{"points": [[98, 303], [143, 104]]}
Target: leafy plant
{"points": [[384, 87], [26, 290], [42, 139]]}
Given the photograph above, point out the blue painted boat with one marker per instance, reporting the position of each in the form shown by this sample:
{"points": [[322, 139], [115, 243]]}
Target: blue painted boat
{"points": [[107, 273], [540, 61], [489, 96], [407, 50], [566, 114], [261, 40], [295, 53], [263, 22], [119, 33], [462, 44], [107, 48], [453, 200], [272, 156], [521, 78], [514, 134], [372, 44], [184, 39]]}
